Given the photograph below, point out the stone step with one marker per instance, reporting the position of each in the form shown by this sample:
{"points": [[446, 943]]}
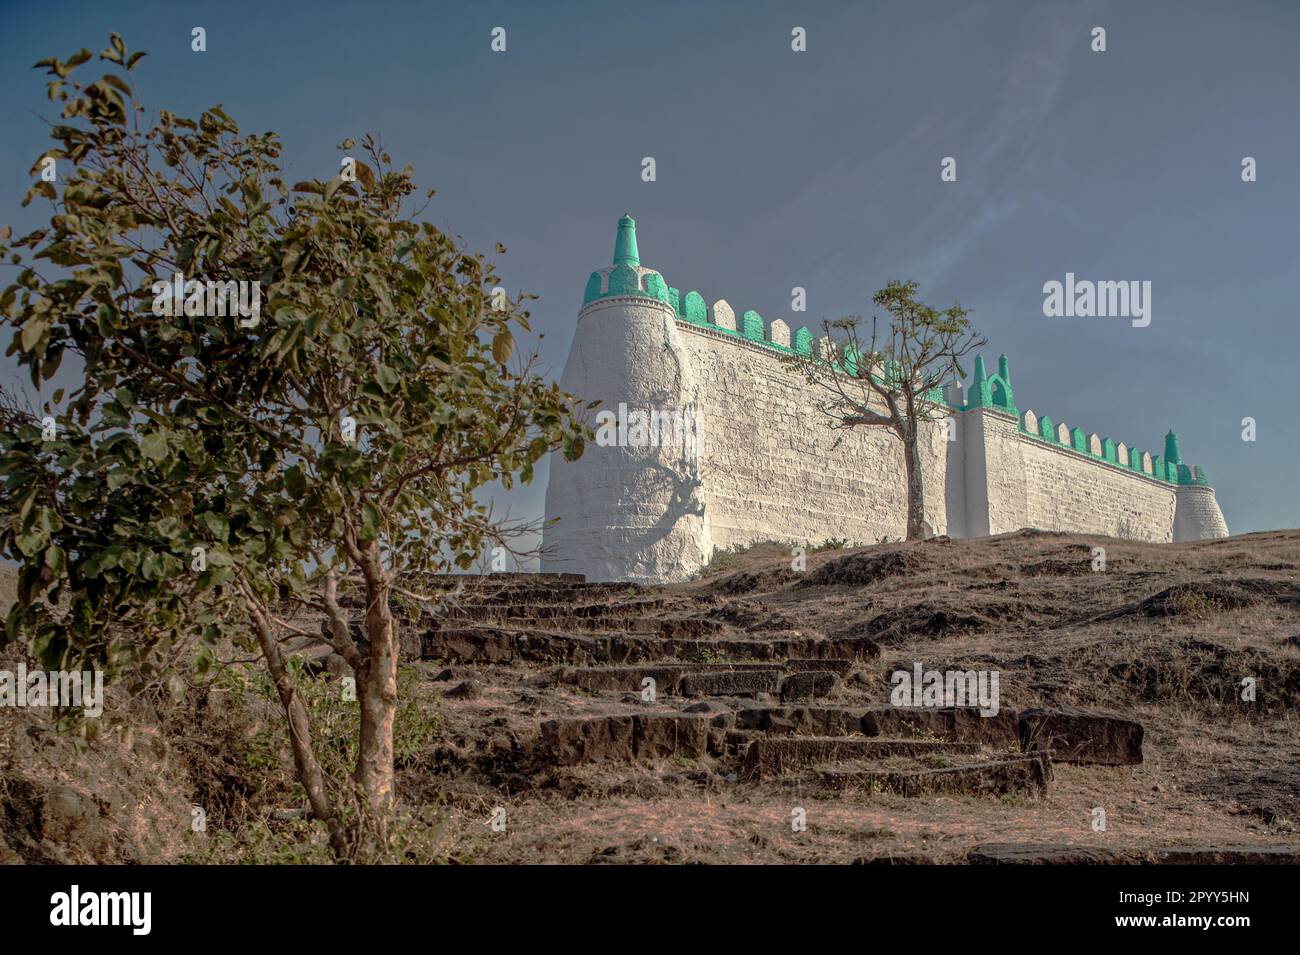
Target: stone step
{"points": [[809, 685], [1026, 774], [802, 720], [747, 678], [798, 665], [662, 627], [954, 724], [548, 587], [960, 723], [534, 645], [768, 757], [1082, 736], [498, 645], [447, 601], [638, 736], [494, 612], [704, 679]]}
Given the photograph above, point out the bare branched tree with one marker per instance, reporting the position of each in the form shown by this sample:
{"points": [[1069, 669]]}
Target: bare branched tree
{"points": [[894, 376]]}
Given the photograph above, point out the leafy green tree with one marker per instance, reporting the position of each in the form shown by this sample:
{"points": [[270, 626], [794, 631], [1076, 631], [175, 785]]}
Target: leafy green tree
{"points": [[894, 377], [216, 471]]}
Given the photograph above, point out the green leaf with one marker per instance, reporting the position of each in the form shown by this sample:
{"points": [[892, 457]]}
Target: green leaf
{"points": [[371, 521], [387, 378], [154, 445], [32, 332], [32, 543], [215, 524], [295, 482], [56, 559]]}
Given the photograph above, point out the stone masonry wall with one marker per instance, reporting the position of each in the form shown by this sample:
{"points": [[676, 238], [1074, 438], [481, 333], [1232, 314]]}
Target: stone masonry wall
{"points": [[770, 466], [1070, 492]]}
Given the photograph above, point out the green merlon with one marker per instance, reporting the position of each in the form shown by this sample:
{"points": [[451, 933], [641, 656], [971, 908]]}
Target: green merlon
{"points": [[803, 341], [625, 280], [751, 326], [656, 287], [694, 309]]}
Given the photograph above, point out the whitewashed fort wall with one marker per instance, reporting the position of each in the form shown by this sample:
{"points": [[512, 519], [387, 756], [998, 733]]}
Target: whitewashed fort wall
{"points": [[767, 466]]}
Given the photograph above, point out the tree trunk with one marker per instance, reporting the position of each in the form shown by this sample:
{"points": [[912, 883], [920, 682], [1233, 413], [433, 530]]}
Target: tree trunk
{"points": [[309, 771], [377, 691], [916, 530]]}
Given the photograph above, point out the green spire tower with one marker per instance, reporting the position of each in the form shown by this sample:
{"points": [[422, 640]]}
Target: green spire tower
{"points": [[625, 252], [1173, 454], [627, 276]]}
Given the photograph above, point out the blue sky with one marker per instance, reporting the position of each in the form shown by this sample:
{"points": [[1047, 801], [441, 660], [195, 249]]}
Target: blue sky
{"points": [[818, 169]]}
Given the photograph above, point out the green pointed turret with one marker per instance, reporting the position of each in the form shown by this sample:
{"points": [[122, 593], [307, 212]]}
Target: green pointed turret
{"points": [[1172, 452], [625, 252], [627, 276]]}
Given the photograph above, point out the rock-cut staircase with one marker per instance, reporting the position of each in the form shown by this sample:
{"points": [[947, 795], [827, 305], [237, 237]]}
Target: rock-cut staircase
{"points": [[643, 676]]}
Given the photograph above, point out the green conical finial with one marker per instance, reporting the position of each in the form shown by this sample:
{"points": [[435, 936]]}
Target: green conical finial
{"points": [[625, 252], [1172, 453]]}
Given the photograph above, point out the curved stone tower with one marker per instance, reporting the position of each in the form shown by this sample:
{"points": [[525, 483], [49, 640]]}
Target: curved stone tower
{"points": [[631, 508], [1196, 511]]}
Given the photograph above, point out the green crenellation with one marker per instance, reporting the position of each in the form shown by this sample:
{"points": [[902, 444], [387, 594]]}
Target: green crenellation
{"points": [[694, 310], [1166, 470]]}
